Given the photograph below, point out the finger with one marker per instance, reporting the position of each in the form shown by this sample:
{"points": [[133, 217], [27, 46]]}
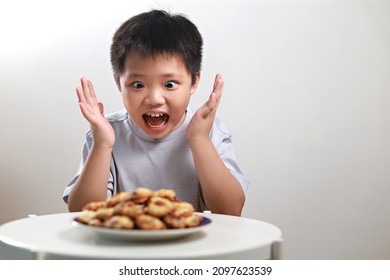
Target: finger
{"points": [[92, 90], [216, 81], [86, 90], [80, 94], [217, 92], [210, 106], [86, 111], [218, 85]]}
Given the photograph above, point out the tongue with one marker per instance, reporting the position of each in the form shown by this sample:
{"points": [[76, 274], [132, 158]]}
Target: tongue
{"points": [[155, 121]]}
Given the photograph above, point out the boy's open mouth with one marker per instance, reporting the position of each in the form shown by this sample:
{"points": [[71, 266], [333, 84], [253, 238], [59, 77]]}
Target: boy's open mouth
{"points": [[155, 120]]}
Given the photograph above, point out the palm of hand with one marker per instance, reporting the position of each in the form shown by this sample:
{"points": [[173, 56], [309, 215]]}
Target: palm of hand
{"points": [[102, 131], [202, 122]]}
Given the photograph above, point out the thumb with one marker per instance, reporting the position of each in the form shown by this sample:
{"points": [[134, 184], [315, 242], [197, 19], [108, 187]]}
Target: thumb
{"points": [[101, 107]]}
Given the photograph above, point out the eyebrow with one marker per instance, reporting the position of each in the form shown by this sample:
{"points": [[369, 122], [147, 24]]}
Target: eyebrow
{"points": [[141, 75]]}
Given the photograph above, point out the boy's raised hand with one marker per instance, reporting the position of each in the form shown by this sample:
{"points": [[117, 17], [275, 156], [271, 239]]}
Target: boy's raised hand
{"points": [[202, 121], [102, 131]]}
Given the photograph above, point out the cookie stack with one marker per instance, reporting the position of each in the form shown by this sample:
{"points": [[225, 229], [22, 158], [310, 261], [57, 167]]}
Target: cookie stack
{"points": [[142, 209]]}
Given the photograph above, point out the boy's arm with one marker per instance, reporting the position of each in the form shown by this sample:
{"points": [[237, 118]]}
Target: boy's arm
{"points": [[221, 190], [92, 182], [91, 185]]}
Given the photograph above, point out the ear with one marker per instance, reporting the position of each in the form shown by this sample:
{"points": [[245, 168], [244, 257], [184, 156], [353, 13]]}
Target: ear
{"points": [[117, 81], [194, 86]]}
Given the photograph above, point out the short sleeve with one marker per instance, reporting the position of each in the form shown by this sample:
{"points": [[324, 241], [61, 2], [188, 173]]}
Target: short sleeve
{"points": [[222, 140], [86, 149]]}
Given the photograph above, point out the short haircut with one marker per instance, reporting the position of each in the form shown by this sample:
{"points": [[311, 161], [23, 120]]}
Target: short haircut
{"points": [[158, 33]]}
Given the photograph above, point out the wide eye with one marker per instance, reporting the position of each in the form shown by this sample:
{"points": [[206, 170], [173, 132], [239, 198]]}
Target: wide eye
{"points": [[138, 85], [170, 85]]}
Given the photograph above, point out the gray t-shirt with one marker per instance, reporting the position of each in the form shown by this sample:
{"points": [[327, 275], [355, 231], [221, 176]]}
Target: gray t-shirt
{"points": [[140, 161]]}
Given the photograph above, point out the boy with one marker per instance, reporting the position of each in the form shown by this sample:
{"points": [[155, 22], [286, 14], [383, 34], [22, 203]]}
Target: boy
{"points": [[157, 142]]}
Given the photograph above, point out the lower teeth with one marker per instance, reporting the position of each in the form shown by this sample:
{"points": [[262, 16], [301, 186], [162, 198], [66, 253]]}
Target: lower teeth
{"points": [[156, 126]]}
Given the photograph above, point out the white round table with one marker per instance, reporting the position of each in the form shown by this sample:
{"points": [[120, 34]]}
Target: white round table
{"points": [[54, 237]]}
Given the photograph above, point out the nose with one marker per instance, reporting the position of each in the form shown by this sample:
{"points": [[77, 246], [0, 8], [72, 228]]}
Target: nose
{"points": [[154, 97]]}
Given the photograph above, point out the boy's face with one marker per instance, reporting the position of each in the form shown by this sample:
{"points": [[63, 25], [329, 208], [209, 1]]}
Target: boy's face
{"points": [[156, 92]]}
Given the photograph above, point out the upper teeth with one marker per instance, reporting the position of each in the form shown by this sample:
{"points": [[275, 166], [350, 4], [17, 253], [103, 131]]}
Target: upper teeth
{"points": [[155, 115]]}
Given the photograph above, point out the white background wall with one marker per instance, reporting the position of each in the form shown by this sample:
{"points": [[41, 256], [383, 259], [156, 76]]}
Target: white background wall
{"points": [[307, 95]]}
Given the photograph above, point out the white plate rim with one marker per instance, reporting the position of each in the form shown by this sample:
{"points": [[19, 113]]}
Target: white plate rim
{"points": [[139, 235]]}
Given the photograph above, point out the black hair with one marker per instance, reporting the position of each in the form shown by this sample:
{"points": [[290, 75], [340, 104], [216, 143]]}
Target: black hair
{"points": [[154, 33]]}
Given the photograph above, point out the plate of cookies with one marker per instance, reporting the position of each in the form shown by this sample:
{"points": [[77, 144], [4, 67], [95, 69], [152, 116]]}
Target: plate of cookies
{"points": [[142, 215]]}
